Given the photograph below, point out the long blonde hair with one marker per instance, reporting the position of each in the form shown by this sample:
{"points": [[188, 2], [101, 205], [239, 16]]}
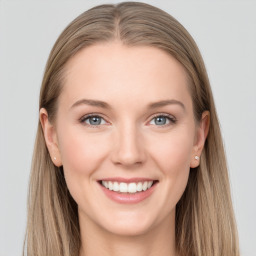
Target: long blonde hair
{"points": [[205, 223]]}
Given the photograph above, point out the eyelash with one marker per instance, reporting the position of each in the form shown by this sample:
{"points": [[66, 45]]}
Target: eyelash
{"points": [[169, 117]]}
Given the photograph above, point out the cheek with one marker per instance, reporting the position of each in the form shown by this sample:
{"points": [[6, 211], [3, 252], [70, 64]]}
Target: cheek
{"points": [[173, 153], [173, 160], [80, 153], [81, 156]]}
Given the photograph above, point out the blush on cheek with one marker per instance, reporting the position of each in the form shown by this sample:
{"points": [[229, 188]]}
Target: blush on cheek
{"points": [[81, 153], [173, 153]]}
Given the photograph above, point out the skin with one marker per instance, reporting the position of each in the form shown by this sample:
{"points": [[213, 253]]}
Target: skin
{"points": [[129, 142]]}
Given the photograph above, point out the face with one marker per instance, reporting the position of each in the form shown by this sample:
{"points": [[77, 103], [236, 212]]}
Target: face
{"points": [[124, 124]]}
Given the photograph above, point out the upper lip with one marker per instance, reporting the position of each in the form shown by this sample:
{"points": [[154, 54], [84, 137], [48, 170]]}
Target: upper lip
{"points": [[128, 180]]}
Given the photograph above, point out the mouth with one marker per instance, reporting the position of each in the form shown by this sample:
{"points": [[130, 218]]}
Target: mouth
{"points": [[128, 187]]}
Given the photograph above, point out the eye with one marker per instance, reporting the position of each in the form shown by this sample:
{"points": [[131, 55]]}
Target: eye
{"points": [[163, 120], [92, 120]]}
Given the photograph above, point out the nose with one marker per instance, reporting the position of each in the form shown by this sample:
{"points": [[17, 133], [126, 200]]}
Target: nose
{"points": [[128, 147]]}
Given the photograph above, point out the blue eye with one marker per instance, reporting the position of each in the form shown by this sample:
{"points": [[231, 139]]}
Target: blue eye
{"points": [[163, 120], [159, 120], [93, 120]]}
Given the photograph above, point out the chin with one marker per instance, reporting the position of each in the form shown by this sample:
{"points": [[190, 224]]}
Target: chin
{"points": [[129, 226], [123, 230]]}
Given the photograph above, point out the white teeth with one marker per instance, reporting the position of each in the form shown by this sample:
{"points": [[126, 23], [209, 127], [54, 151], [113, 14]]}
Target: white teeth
{"points": [[150, 184], [139, 186], [105, 184], [145, 186], [110, 185], [127, 187], [132, 188], [123, 187], [116, 186]]}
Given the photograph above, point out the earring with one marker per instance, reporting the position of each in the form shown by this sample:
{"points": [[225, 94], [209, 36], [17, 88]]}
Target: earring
{"points": [[54, 158], [197, 157]]}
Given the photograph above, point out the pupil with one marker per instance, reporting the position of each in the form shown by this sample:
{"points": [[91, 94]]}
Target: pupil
{"points": [[162, 118], [95, 120]]}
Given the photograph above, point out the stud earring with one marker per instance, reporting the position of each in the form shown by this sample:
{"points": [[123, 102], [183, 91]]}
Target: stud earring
{"points": [[54, 158], [197, 157]]}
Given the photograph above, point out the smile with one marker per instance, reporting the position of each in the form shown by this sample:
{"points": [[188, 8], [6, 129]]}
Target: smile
{"points": [[128, 191], [123, 187]]}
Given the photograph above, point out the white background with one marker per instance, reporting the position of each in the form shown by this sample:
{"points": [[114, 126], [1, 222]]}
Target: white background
{"points": [[226, 35]]}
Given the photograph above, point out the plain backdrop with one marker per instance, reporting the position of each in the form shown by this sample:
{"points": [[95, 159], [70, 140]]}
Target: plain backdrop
{"points": [[225, 32]]}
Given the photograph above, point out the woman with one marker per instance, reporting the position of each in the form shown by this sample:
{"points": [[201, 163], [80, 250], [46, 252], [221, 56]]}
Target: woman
{"points": [[128, 158]]}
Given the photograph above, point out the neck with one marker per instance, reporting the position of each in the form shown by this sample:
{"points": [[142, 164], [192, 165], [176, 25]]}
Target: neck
{"points": [[159, 240]]}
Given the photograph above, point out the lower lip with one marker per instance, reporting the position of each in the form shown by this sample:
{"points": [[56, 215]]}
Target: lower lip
{"points": [[128, 198]]}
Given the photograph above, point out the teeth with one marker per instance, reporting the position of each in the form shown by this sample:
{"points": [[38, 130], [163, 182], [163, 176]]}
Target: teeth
{"points": [[150, 183], [116, 186], [123, 187], [144, 186], [139, 186], [127, 187], [132, 188], [105, 184]]}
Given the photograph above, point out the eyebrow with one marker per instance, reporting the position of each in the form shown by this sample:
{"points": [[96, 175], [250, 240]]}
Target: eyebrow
{"points": [[164, 103], [102, 104], [95, 103]]}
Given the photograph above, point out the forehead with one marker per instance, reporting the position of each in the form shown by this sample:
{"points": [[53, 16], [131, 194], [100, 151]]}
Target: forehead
{"points": [[121, 74]]}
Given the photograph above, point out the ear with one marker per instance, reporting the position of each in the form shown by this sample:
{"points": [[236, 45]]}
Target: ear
{"points": [[50, 137], [200, 137]]}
